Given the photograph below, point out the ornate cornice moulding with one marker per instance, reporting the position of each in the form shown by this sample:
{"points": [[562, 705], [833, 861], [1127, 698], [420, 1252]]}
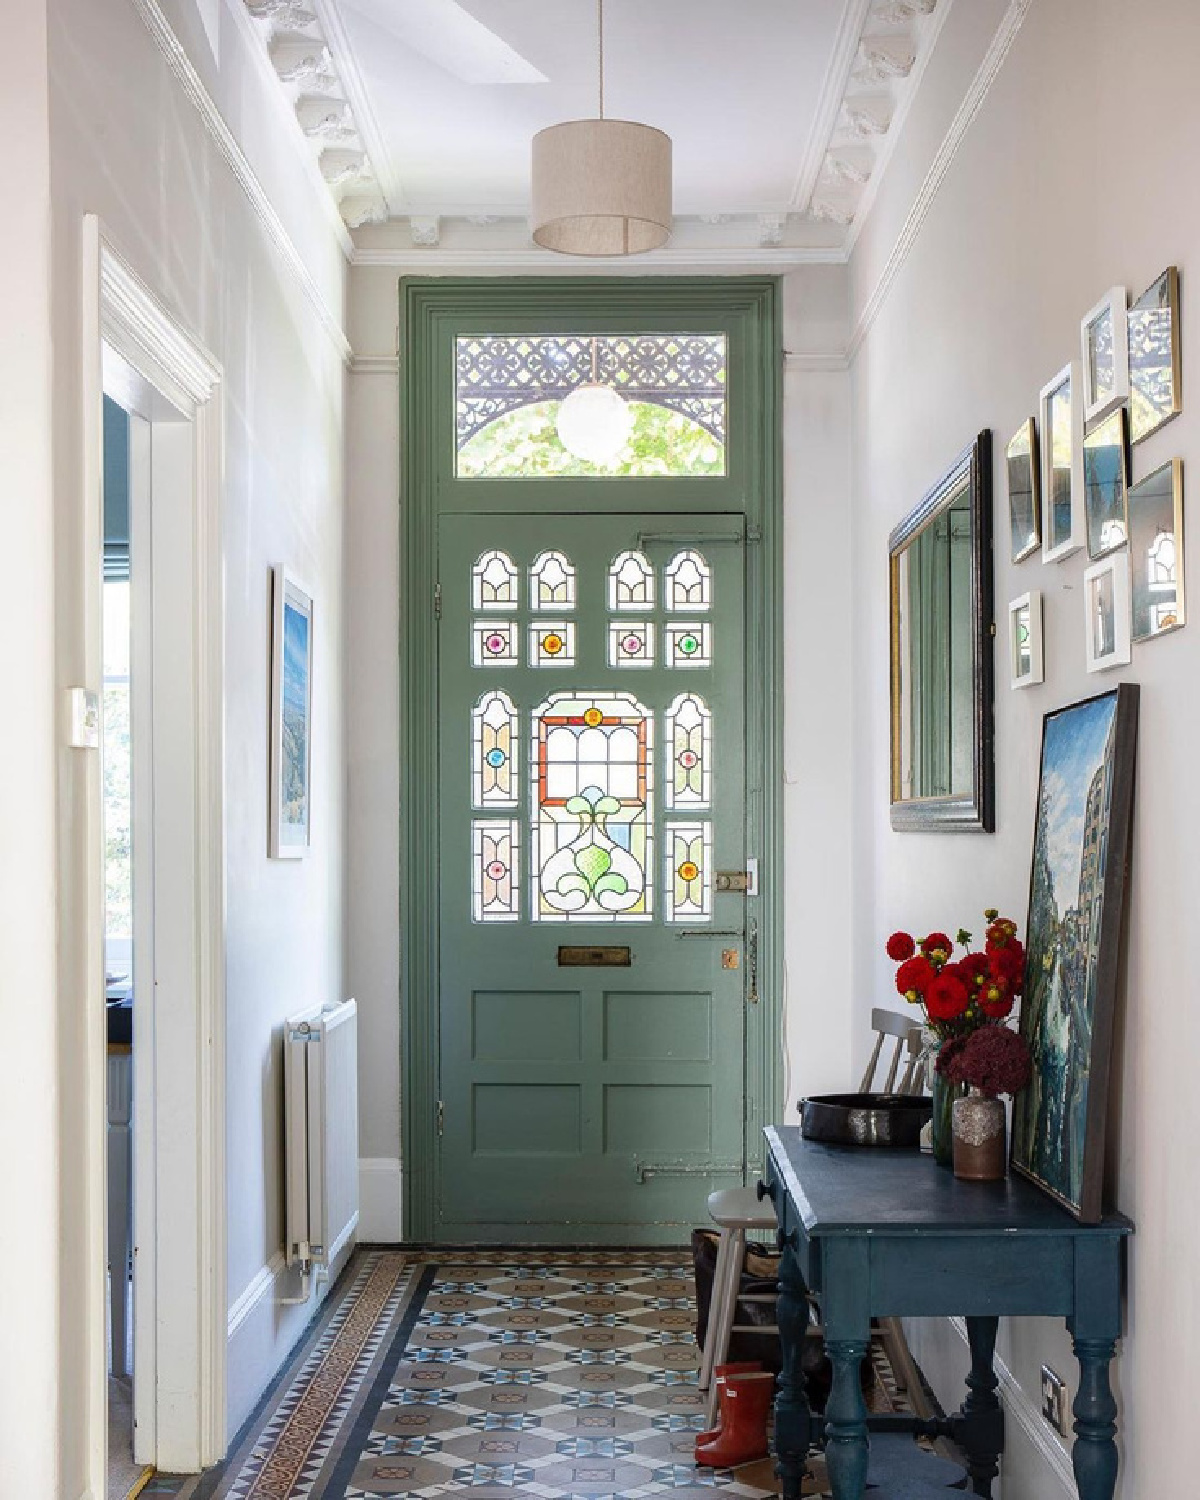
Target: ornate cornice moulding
{"points": [[879, 58], [313, 62]]}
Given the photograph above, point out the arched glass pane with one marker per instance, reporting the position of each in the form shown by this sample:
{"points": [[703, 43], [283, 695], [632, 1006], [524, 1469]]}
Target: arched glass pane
{"points": [[494, 579], [688, 582], [592, 808], [689, 872], [551, 582], [495, 874], [688, 748], [494, 751], [630, 582]]}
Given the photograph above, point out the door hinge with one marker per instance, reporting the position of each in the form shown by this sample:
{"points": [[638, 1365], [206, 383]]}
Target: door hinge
{"points": [[437, 601], [441, 1117]]}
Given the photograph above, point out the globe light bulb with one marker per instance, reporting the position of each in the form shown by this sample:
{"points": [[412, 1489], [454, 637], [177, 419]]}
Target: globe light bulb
{"points": [[594, 423]]}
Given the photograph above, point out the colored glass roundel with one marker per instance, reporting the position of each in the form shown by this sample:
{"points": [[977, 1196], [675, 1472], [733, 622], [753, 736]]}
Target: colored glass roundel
{"points": [[688, 645], [496, 887], [494, 643], [630, 643], [552, 644]]}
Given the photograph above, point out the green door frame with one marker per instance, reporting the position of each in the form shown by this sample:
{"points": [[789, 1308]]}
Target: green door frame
{"points": [[432, 312]]}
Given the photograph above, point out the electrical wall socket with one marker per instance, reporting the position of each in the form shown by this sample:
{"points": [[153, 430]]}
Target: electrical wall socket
{"points": [[1054, 1400]]}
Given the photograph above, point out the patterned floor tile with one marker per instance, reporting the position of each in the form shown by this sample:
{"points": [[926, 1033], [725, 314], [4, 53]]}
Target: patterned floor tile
{"points": [[495, 1375]]}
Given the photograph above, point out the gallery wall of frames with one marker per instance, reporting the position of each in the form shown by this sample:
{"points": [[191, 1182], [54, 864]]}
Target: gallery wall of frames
{"points": [[1074, 483]]}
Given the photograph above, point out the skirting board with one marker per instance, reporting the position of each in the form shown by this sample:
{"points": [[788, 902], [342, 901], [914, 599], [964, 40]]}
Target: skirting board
{"points": [[263, 1330], [379, 1200]]}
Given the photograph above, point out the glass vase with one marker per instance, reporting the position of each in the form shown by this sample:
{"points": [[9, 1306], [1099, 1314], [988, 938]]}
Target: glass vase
{"points": [[944, 1095]]}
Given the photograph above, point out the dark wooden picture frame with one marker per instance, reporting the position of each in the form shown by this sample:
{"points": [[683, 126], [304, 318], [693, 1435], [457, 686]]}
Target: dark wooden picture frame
{"points": [[1074, 951], [973, 810]]}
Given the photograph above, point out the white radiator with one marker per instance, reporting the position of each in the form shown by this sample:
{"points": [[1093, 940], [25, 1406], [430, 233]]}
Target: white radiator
{"points": [[320, 1081]]}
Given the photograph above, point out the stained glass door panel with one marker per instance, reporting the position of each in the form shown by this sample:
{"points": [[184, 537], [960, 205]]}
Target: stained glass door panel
{"points": [[591, 783]]}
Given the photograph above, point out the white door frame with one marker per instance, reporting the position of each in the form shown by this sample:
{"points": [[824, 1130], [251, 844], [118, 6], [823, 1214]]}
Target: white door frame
{"points": [[132, 345]]}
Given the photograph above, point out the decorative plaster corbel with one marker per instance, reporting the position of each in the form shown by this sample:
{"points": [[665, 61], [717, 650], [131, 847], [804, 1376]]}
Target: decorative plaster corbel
{"points": [[325, 119], [340, 166], [882, 58], [304, 60], [425, 230]]}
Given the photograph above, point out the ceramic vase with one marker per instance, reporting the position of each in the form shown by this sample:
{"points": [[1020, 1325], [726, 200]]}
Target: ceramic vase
{"points": [[945, 1094], [979, 1137]]}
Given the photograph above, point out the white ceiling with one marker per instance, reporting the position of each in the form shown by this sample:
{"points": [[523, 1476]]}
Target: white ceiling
{"points": [[783, 113], [459, 89]]}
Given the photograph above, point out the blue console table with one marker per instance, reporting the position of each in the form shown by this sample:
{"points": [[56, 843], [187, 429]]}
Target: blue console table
{"points": [[884, 1233]]}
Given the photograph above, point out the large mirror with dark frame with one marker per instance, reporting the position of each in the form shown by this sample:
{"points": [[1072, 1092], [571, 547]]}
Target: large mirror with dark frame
{"points": [[943, 768]]}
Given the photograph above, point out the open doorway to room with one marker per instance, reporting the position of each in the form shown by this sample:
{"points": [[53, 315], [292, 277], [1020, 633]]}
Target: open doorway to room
{"points": [[592, 871], [152, 591], [127, 956]]}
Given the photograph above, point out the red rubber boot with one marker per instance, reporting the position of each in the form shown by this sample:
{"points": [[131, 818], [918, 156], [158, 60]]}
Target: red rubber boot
{"points": [[720, 1375], [745, 1406]]}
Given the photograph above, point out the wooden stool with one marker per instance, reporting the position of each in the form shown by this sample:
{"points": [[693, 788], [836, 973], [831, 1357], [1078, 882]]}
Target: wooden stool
{"points": [[734, 1211]]}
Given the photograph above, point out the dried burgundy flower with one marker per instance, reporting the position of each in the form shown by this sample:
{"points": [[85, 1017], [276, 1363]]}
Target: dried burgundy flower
{"points": [[993, 1059]]}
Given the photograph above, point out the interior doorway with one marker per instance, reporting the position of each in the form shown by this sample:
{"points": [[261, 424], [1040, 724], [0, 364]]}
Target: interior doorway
{"points": [[591, 971], [152, 586]]}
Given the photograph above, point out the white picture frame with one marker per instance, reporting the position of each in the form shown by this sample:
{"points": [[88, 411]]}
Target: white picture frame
{"points": [[1106, 613], [1104, 351], [1060, 409], [1026, 659], [291, 716]]}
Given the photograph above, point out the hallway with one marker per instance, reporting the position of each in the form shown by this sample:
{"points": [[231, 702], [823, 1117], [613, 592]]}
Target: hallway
{"points": [[497, 1373]]}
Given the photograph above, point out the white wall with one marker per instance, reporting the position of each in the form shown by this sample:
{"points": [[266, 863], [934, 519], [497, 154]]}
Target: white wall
{"points": [[29, 1387], [128, 144], [1074, 176], [816, 495]]}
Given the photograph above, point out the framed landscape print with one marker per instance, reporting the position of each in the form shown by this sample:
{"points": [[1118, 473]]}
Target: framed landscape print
{"points": [[1155, 363], [291, 716], [1025, 650], [1077, 896], [1062, 464], [1156, 551], [1105, 481], [1024, 492], [1106, 602], [1104, 335]]}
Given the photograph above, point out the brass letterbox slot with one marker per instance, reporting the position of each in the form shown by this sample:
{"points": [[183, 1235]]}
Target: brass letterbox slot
{"points": [[594, 958]]}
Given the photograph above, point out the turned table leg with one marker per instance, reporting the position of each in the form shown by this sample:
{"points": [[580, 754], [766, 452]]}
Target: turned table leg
{"points": [[848, 1448], [983, 1416], [1094, 1456], [793, 1419]]}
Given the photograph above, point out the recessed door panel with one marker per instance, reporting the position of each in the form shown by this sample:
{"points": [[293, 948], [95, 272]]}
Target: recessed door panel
{"points": [[644, 1026], [512, 1026]]}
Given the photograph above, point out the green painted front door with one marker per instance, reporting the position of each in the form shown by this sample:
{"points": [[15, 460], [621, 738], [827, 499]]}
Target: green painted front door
{"points": [[594, 979]]}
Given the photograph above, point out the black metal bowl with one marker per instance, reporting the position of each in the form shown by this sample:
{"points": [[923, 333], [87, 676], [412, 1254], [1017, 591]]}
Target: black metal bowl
{"points": [[865, 1119]]}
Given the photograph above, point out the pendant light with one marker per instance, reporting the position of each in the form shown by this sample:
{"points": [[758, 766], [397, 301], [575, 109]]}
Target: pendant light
{"points": [[601, 187], [594, 421]]}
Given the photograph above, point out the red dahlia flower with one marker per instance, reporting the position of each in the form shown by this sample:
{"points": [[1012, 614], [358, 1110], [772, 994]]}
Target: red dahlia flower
{"points": [[914, 977], [937, 942], [995, 1000], [946, 998], [900, 946]]}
